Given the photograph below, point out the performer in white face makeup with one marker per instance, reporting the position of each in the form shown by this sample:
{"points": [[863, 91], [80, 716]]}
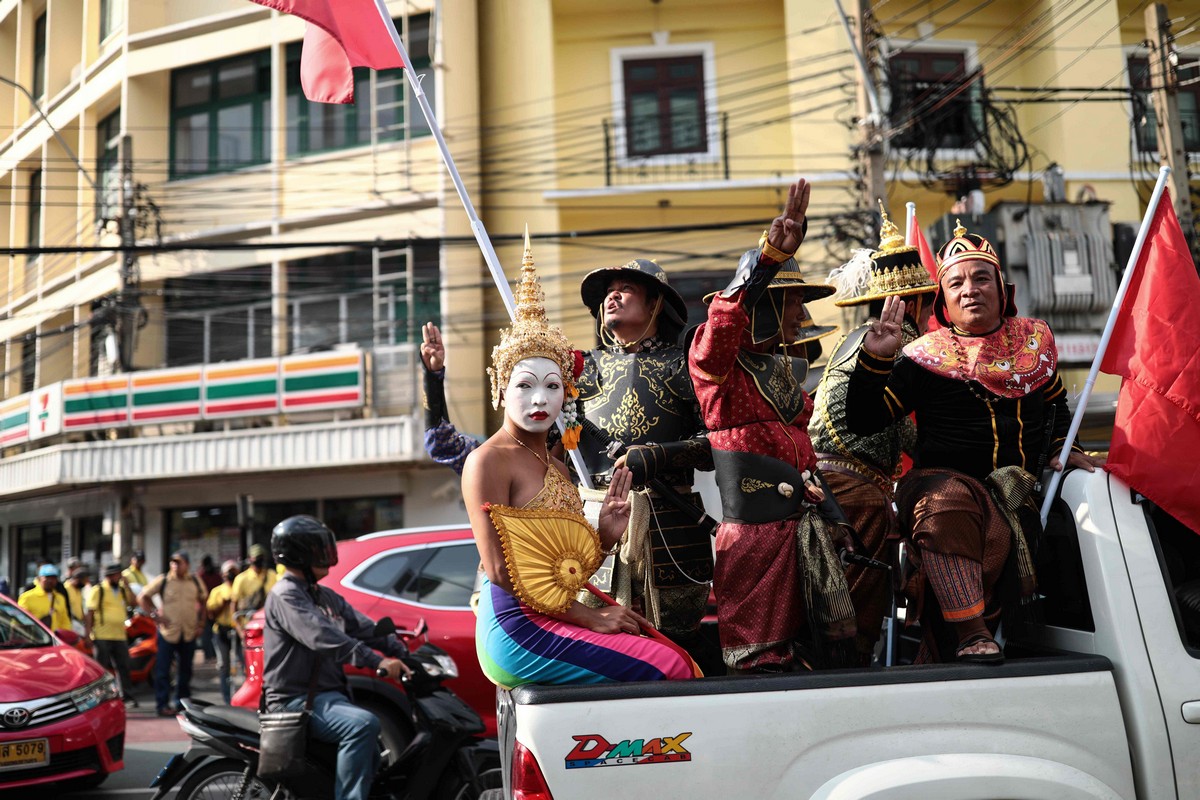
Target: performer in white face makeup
{"points": [[534, 364], [534, 396]]}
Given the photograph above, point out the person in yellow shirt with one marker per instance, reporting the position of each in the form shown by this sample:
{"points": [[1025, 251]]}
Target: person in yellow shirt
{"points": [[134, 577], [43, 602], [77, 587], [108, 607], [220, 614], [250, 588]]}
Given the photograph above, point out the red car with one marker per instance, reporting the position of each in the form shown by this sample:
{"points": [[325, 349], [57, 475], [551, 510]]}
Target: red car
{"points": [[409, 575], [61, 716]]}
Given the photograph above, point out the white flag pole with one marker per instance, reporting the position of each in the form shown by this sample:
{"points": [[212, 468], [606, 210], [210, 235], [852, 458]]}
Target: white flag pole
{"points": [[910, 210], [1077, 419], [481, 235]]}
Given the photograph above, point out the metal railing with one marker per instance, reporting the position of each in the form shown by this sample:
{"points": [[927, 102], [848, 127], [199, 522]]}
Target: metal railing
{"points": [[622, 168]]}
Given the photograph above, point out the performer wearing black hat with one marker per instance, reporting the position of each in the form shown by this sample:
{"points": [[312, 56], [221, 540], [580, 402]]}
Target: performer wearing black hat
{"points": [[777, 573], [635, 391], [861, 470]]}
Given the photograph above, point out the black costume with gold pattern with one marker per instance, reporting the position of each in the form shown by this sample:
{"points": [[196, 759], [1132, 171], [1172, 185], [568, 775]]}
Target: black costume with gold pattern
{"points": [[647, 398]]}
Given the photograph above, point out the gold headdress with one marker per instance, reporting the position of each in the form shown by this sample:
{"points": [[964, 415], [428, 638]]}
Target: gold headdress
{"points": [[895, 269], [532, 336]]}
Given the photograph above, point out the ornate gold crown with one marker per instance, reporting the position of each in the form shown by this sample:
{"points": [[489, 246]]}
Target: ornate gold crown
{"points": [[965, 247], [894, 269], [531, 335]]}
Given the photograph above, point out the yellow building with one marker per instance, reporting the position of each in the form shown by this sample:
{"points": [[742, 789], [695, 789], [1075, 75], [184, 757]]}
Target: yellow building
{"points": [[276, 234]]}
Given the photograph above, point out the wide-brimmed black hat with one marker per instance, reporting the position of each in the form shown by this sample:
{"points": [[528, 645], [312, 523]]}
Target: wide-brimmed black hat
{"points": [[766, 313], [788, 277], [595, 284]]}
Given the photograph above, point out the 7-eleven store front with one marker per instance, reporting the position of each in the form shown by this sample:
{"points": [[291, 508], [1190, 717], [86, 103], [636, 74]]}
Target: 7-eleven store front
{"points": [[157, 461]]}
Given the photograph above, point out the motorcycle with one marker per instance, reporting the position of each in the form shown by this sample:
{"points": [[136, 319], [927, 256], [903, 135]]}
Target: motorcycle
{"points": [[442, 754], [142, 635]]}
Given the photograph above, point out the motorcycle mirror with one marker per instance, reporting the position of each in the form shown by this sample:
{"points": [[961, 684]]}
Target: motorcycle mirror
{"points": [[422, 627], [384, 626]]}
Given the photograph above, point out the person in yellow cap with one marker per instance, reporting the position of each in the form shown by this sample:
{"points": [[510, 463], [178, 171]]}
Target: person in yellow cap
{"points": [[44, 602], [220, 613], [108, 607]]}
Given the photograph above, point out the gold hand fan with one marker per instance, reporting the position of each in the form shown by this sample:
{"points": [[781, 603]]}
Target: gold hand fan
{"points": [[550, 554]]}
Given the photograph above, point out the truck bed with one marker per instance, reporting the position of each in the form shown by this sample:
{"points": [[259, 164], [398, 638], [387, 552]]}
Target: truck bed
{"points": [[1047, 726]]}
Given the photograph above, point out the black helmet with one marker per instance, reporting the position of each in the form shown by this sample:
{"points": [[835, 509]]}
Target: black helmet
{"points": [[304, 542]]}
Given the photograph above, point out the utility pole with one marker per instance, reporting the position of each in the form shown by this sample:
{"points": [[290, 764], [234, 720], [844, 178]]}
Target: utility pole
{"points": [[870, 114], [126, 322], [1164, 86]]}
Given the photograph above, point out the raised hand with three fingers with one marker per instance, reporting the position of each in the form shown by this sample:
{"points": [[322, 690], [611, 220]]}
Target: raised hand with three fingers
{"points": [[883, 337], [433, 352], [787, 230]]}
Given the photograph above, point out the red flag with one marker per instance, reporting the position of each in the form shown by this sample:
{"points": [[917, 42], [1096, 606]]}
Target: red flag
{"points": [[1155, 347], [340, 35], [916, 236]]}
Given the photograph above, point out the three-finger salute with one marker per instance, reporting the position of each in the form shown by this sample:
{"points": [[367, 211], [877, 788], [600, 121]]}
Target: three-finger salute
{"points": [[883, 337]]}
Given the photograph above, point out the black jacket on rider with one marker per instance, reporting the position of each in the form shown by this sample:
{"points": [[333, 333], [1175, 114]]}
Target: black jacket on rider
{"points": [[301, 636]]}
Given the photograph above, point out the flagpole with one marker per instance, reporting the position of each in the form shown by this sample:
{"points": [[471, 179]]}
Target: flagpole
{"points": [[910, 210], [481, 235], [1077, 420]]}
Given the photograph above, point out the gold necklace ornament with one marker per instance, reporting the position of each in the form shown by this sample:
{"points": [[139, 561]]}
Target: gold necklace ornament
{"points": [[545, 461]]}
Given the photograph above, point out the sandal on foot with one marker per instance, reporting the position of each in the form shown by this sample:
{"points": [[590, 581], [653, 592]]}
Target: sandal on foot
{"points": [[978, 658]]}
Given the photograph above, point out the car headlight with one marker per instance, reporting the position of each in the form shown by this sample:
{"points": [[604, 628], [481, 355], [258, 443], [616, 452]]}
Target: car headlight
{"points": [[95, 693]]}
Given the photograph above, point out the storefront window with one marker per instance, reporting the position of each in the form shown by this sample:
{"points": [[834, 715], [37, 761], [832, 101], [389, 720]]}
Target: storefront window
{"points": [[214, 531], [204, 530], [37, 545], [362, 515], [92, 546]]}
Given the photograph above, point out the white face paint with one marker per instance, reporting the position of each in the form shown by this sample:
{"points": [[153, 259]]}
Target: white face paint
{"points": [[533, 398]]}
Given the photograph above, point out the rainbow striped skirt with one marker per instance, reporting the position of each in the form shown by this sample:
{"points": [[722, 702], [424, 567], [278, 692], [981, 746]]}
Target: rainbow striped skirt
{"points": [[517, 645]]}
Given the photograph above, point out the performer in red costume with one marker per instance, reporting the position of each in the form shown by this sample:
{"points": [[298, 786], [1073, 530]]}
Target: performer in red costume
{"points": [[776, 572]]}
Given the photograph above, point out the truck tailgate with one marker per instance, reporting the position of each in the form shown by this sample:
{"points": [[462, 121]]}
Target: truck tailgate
{"points": [[1039, 727]]}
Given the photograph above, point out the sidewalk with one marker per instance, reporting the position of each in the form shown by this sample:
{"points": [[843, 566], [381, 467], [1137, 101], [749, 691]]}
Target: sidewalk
{"points": [[144, 725]]}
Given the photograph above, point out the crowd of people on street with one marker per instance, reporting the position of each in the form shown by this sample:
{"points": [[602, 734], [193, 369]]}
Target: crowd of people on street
{"points": [[206, 610]]}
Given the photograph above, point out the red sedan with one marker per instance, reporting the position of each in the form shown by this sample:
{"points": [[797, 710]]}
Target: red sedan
{"points": [[408, 575], [61, 715]]}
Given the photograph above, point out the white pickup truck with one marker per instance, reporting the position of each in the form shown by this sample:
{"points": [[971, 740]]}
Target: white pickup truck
{"points": [[1100, 699]]}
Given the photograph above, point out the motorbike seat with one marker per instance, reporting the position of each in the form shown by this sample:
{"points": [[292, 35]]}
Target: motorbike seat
{"points": [[231, 716]]}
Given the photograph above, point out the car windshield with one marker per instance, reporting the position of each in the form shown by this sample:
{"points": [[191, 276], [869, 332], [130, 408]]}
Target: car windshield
{"points": [[18, 629]]}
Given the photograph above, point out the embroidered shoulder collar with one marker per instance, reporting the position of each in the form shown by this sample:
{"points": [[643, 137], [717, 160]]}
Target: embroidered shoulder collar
{"points": [[1010, 362], [651, 344]]}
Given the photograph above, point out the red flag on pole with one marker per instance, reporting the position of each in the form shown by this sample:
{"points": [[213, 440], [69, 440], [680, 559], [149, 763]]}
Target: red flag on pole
{"points": [[916, 237], [340, 35], [1155, 347]]}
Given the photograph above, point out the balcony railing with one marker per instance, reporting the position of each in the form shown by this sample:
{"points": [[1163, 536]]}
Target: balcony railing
{"points": [[624, 169]]}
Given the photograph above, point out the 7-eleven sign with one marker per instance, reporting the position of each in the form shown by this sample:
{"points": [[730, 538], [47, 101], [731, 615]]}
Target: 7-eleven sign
{"points": [[45, 411]]}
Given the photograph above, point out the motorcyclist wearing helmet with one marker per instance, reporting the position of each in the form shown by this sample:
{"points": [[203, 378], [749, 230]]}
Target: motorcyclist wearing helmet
{"points": [[311, 628]]}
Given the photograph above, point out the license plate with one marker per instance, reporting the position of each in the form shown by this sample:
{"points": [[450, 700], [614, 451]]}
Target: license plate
{"points": [[603, 577], [30, 752]]}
